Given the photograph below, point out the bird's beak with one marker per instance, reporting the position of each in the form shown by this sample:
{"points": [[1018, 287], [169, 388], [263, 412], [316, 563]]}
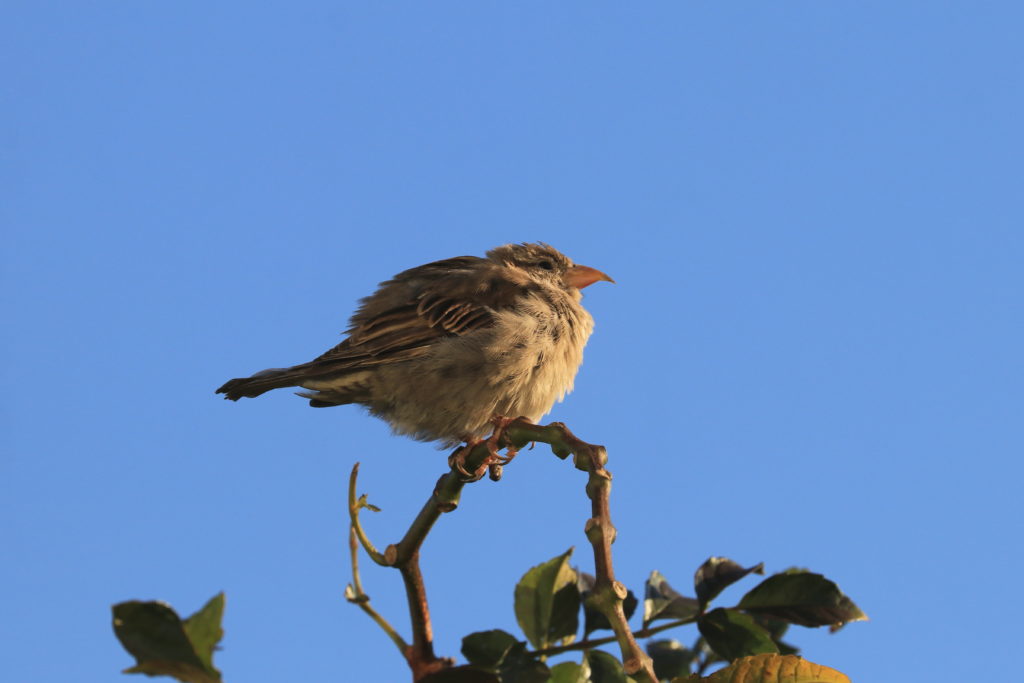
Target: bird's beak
{"points": [[582, 276]]}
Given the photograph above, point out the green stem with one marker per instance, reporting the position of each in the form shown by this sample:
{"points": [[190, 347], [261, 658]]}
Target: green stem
{"points": [[358, 597], [354, 506]]}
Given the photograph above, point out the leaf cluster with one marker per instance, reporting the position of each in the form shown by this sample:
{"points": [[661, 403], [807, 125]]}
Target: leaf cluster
{"points": [[553, 598], [551, 601]]}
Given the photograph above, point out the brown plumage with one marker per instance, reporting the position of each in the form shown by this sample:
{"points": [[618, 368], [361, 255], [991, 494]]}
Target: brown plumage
{"points": [[441, 348]]}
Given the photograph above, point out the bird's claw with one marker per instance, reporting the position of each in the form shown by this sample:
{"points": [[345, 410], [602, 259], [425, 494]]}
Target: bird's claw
{"points": [[457, 460], [494, 461]]}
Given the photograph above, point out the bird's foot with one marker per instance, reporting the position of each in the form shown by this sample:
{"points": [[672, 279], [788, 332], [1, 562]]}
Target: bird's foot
{"points": [[457, 460], [495, 461]]}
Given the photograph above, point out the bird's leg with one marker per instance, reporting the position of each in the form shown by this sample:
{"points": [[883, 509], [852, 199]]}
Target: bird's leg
{"points": [[497, 440]]}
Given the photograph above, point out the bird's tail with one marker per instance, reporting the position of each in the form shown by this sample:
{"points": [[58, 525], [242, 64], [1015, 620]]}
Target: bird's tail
{"points": [[261, 382]]}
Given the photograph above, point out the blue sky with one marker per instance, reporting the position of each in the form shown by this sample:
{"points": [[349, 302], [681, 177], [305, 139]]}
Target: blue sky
{"points": [[812, 356]]}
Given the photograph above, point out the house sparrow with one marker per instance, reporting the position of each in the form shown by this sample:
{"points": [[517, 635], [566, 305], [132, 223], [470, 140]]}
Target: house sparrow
{"points": [[440, 349]]}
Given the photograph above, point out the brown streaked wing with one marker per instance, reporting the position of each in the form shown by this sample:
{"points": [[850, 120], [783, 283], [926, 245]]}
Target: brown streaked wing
{"points": [[411, 311]]}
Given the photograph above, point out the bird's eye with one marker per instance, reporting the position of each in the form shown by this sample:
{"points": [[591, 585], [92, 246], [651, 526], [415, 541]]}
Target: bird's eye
{"points": [[546, 265]]}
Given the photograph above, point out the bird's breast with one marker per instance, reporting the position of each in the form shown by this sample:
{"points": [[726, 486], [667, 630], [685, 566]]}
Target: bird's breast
{"points": [[535, 351]]}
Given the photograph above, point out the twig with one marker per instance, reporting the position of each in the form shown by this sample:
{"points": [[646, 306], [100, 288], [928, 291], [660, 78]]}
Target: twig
{"points": [[354, 594], [607, 595], [354, 506], [589, 644], [420, 654]]}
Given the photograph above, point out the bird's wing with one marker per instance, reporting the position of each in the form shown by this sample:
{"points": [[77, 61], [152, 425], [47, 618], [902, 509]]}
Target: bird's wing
{"points": [[417, 307]]}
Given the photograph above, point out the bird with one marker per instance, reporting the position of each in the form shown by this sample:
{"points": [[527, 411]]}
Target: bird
{"points": [[440, 350]]}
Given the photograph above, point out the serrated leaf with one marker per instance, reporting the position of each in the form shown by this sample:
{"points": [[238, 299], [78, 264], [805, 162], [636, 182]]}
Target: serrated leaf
{"points": [[547, 602], [769, 668], [717, 574], [732, 634], [488, 648], [605, 668], [803, 598], [670, 658], [661, 601], [155, 635], [594, 619]]}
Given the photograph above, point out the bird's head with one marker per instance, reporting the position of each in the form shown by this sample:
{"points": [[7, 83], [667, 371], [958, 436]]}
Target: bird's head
{"points": [[543, 262]]}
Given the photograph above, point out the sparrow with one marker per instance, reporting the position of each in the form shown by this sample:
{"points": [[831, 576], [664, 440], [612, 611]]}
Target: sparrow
{"points": [[439, 350]]}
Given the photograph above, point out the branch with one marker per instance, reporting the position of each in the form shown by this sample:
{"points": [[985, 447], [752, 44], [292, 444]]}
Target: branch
{"points": [[589, 644], [608, 594], [404, 556], [420, 654]]}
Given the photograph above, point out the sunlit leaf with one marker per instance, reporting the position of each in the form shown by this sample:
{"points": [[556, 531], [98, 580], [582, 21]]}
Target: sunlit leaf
{"points": [[769, 668], [547, 601]]}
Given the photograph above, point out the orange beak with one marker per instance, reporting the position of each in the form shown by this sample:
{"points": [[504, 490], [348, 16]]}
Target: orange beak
{"points": [[582, 276]]}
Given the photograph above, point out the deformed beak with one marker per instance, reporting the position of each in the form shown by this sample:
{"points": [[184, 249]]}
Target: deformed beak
{"points": [[582, 276]]}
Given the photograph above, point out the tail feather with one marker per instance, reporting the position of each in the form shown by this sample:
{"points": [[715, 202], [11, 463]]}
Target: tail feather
{"points": [[261, 382]]}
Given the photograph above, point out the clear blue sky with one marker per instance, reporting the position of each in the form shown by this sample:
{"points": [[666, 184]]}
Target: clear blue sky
{"points": [[812, 357]]}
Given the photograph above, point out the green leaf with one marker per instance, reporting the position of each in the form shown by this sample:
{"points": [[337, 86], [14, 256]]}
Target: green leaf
{"points": [[462, 674], [776, 629], [593, 619], [605, 668], [547, 602], [661, 601], [520, 667], [732, 634], [570, 672], [768, 668], [670, 658], [488, 648], [803, 598], [565, 614], [164, 645], [204, 630], [717, 574]]}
